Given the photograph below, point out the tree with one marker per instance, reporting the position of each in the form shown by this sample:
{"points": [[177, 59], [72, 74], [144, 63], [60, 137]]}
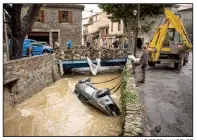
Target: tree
{"points": [[19, 26], [125, 13]]}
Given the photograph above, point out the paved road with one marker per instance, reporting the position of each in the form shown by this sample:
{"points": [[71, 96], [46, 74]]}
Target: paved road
{"points": [[167, 99]]}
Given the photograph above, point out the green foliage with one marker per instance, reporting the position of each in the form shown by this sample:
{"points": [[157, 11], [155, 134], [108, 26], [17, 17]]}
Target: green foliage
{"points": [[147, 26], [125, 11], [127, 96]]}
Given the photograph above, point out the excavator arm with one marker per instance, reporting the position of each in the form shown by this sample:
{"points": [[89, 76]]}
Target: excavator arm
{"points": [[160, 34], [178, 25], [157, 41]]}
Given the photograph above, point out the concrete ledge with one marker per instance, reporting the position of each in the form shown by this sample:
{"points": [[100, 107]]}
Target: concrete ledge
{"points": [[10, 78]]}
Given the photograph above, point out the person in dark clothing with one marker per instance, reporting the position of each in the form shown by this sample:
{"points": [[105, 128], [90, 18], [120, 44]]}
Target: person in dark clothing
{"points": [[143, 62], [88, 44], [126, 45], [116, 43]]}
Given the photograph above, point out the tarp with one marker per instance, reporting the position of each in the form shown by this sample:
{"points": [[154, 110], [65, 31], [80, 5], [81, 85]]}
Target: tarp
{"points": [[94, 68]]}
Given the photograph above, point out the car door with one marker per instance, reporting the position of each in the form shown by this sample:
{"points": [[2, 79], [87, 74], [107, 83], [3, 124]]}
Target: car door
{"points": [[26, 45]]}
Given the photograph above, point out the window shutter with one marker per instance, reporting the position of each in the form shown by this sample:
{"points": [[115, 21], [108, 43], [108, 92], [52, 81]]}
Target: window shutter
{"points": [[70, 17], [42, 16], [60, 16]]}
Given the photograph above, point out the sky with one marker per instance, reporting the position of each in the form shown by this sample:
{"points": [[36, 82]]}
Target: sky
{"points": [[87, 13], [96, 9]]}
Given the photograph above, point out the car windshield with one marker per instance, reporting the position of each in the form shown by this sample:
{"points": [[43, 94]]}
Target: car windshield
{"points": [[36, 44], [44, 43]]}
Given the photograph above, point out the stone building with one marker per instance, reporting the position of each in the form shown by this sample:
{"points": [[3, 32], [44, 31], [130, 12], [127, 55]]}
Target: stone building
{"points": [[187, 19], [57, 22], [100, 27]]}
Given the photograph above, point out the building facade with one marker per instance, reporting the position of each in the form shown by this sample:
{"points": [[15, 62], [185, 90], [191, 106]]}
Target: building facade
{"points": [[57, 22], [187, 19], [100, 27]]}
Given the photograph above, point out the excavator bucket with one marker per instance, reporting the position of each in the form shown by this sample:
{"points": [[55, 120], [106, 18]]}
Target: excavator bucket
{"points": [[178, 25]]}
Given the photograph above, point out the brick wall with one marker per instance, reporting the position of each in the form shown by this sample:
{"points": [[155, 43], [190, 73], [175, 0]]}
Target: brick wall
{"points": [[35, 74]]}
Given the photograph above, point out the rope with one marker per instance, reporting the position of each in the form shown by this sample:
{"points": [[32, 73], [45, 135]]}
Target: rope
{"points": [[116, 85], [116, 89], [108, 80]]}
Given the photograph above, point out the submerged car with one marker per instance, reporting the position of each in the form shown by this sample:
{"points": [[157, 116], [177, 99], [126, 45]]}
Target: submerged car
{"points": [[100, 99]]}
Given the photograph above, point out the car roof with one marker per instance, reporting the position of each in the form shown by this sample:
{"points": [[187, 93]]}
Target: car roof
{"points": [[42, 41]]}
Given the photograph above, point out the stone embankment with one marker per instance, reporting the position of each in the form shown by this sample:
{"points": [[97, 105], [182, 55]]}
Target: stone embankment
{"points": [[27, 76], [131, 106]]}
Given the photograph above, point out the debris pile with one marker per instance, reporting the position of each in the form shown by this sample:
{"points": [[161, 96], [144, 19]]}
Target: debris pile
{"points": [[81, 52]]}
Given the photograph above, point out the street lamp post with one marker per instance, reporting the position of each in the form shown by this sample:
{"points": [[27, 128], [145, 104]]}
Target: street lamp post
{"points": [[135, 29], [135, 12]]}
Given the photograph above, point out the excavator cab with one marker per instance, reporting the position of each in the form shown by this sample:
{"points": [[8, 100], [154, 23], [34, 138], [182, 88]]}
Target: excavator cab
{"points": [[171, 40]]}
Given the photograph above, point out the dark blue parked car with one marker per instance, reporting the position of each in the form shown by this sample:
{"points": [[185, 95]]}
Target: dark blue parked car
{"points": [[38, 48]]}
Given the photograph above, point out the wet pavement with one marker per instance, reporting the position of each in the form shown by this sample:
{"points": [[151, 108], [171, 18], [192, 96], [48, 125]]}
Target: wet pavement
{"points": [[167, 97]]}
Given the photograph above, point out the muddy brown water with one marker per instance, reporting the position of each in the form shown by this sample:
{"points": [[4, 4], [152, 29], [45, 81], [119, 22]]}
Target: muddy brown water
{"points": [[56, 111]]}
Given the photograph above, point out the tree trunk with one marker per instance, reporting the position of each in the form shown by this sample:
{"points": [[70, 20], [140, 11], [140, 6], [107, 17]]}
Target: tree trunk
{"points": [[16, 47], [127, 31], [15, 43], [21, 27]]}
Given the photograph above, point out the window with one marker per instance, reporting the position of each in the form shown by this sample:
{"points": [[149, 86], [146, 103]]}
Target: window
{"points": [[119, 25], [36, 44], [41, 16], [107, 31], [111, 26], [95, 18], [65, 16], [32, 41]]}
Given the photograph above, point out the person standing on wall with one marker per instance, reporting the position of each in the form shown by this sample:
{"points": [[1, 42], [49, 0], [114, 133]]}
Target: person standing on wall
{"points": [[88, 44], [69, 44], [126, 45], [116, 43], [104, 43]]}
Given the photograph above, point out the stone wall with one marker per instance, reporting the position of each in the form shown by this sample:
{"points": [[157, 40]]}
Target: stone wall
{"points": [[65, 30], [34, 74], [131, 106]]}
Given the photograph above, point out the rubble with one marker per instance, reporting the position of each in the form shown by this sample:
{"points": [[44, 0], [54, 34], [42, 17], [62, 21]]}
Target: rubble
{"points": [[81, 52]]}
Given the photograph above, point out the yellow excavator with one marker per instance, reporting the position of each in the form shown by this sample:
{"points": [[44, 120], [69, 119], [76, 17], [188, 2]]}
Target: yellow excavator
{"points": [[170, 42]]}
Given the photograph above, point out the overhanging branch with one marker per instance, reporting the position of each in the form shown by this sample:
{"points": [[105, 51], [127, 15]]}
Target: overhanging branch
{"points": [[29, 19]]}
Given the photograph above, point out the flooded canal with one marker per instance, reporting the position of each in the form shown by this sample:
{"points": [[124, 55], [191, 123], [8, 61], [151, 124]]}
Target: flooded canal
{"points": [[56, 111]]}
